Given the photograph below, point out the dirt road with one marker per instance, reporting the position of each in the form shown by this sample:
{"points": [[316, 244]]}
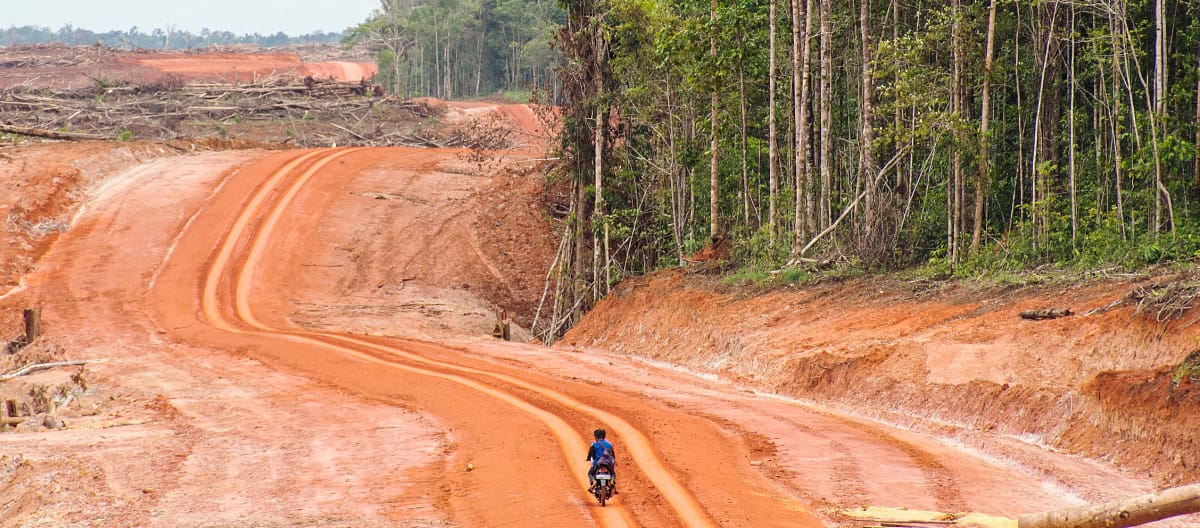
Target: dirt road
{"points": [[297, 338]]}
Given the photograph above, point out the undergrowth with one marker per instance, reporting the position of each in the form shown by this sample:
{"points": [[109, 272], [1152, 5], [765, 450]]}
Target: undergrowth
{"points": [[1189, 369], [1016, 259]]}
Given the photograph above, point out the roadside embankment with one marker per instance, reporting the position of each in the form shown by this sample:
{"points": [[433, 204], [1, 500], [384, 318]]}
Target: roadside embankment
{"points": [[1111, 382]]}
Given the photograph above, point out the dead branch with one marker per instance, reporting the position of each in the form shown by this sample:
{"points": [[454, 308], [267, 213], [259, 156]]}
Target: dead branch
{"points": [[48, 134], [883, 170], [43, 366]]}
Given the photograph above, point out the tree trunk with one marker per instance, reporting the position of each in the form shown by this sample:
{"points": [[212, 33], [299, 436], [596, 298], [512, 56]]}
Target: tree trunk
{"points": [[714, 180], [868, 165], [798, 152], [773, 147], [826, 207], [1120, 514], [804, 133], [955, 189], [1159, 116], [437, 59], [745, 166], [479, 59], [1017, 213], [1071, 135], [1045, 125], [983, 175], [1116, 135], [1196, 161], [599, 271]]}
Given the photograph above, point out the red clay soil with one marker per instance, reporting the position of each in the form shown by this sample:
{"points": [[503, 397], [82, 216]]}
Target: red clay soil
{"points": [[66, 68], [1110, 382], [302, 337], [245, 67]]}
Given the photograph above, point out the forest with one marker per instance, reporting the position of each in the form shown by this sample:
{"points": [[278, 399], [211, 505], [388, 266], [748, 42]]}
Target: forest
{"points": [[956, 137], [157, 38], [455, 49]]}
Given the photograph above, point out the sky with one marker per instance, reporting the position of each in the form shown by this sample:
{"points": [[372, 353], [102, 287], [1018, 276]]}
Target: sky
{"points": [[294, 17]]}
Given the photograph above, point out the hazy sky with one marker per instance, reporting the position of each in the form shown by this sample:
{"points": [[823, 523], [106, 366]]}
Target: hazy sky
{"points": [[293, 17]]}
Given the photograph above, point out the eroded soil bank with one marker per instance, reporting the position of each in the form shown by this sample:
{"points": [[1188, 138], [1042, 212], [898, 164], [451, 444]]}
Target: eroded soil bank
{"points": [[1110, 382]]}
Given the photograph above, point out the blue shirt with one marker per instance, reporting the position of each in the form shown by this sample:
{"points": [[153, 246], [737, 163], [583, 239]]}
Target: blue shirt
{"points": [[598, 448]]}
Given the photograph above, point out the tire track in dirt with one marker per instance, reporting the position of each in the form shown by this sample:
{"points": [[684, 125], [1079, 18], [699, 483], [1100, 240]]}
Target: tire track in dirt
{"points": [[638, 446], [840, 439]]}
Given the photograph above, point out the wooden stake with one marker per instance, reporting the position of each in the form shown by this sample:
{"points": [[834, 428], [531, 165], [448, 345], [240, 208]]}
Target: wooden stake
{"points": [[9, 416], [503, 329], [33, 324], [1129, 512]]}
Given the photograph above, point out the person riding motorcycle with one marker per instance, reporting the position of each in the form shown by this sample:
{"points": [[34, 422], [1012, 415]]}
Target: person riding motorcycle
{"points": [[601, 454]]}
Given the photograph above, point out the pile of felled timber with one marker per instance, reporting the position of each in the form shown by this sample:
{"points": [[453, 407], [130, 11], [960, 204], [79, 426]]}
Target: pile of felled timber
{"points": [[309, 111]]}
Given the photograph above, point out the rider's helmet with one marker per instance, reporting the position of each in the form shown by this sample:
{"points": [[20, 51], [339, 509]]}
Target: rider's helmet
{"points": [[599, 434]]}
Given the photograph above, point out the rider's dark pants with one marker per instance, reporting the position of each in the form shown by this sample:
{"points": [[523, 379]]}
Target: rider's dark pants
{"points": [[611, 470]]}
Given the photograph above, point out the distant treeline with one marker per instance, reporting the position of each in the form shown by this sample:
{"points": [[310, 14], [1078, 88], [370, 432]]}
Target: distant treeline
{"points": [[463, 48], [157, 38]]}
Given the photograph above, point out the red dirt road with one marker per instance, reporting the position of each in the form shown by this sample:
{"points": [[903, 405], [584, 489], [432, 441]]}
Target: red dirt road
{"points": [[300, 334]]}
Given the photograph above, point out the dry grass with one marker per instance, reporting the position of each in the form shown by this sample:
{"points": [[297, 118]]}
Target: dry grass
{"points": [[1166, 300]]}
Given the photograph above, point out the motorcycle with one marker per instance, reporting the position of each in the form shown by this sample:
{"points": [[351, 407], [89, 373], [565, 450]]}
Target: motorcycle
{"points": [[603, 489]]}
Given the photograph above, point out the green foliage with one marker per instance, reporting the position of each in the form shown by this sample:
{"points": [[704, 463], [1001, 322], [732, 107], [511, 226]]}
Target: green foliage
{"points": [[1188, 369], [758, 251], [125, 135], [747, 277], [517, 96], [1042, 208]]}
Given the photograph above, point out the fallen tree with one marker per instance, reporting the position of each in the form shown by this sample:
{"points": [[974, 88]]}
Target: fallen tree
{"points": [[1120, 514]]}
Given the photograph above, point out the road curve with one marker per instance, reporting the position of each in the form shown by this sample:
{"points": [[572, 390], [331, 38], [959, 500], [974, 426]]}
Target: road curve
{"points": [[224, 265], [249, 301], [245, 247]]}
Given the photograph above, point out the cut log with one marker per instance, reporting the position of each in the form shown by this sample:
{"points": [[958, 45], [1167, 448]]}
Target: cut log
{"points": [[1047, 313], [48, 134], [1129, 512]]}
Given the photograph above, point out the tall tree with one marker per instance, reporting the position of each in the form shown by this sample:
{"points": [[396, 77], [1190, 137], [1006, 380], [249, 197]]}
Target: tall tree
{"points": [[868, 166], [804, 133], [983, 173], [799, 152], [773, 142], [714, 173], [826, 112]]}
